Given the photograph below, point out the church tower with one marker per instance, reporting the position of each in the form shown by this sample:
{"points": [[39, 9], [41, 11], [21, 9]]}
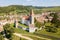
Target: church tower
{"points": [[31, 17], [31, 26]]}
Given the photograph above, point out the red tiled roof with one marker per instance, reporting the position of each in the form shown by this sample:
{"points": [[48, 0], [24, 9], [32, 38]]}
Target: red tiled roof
{"points": [[25, 17]]}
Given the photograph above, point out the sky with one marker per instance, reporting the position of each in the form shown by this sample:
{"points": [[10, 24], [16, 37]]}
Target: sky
{"points": [[30, 2]]}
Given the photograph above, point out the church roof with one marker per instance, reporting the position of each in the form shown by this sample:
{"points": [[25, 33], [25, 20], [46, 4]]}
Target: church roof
{"points": [[26, 17]]}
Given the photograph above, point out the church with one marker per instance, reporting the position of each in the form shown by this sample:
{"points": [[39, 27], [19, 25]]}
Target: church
{"points": [[29, 20]]}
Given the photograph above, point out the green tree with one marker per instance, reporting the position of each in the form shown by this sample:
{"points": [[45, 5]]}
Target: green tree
{"points": [[55, 20], [1, 37], [38, 24], [9, 30], [50, 27]]}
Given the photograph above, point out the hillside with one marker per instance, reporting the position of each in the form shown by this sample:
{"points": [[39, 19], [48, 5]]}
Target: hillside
{"points": [[26, 9], [11, 8]]}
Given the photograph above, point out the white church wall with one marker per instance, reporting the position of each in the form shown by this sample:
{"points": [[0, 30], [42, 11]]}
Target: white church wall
{"points": [[23, 21], [27, 22]]}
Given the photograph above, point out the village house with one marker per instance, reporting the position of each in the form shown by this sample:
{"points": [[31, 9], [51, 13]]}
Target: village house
{"points": [[44, 17], [5, 21]]}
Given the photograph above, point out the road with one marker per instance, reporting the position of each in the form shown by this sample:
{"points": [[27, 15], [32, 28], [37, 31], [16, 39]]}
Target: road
{"points": [[38, 37], [23, 36], [19, 35]]}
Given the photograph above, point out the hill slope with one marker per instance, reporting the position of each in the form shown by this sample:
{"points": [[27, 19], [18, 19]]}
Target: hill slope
{"points": [[26, 9]]}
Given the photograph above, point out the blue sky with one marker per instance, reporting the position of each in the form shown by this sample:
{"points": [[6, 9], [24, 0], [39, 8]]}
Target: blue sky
{"points": [[30, 2]]}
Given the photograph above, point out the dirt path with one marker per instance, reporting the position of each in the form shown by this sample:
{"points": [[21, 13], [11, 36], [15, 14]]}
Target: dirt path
{"points": [[20, 35], [5, 38], [38, 37], [23, 36]]}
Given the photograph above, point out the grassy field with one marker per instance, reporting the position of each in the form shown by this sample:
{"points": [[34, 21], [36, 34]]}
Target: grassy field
{"points": [[38, 33], [34, 38], [49, 33], [44, 33], [54, 9], [22, 25], [25, 33], [17, 38]]}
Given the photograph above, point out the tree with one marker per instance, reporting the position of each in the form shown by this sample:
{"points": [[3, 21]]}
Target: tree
{"points": [[1, 37], [50, 27], [55, 20], [38, 24], [9, 30]]}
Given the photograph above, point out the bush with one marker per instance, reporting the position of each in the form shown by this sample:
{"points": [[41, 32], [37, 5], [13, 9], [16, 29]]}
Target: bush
{"points": [[9, 30], [51, 29], [1, 37]]}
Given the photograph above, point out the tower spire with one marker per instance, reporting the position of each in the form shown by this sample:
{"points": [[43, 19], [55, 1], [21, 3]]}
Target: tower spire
{"points": [[31, 12], [31, 26], [32, 16]]}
